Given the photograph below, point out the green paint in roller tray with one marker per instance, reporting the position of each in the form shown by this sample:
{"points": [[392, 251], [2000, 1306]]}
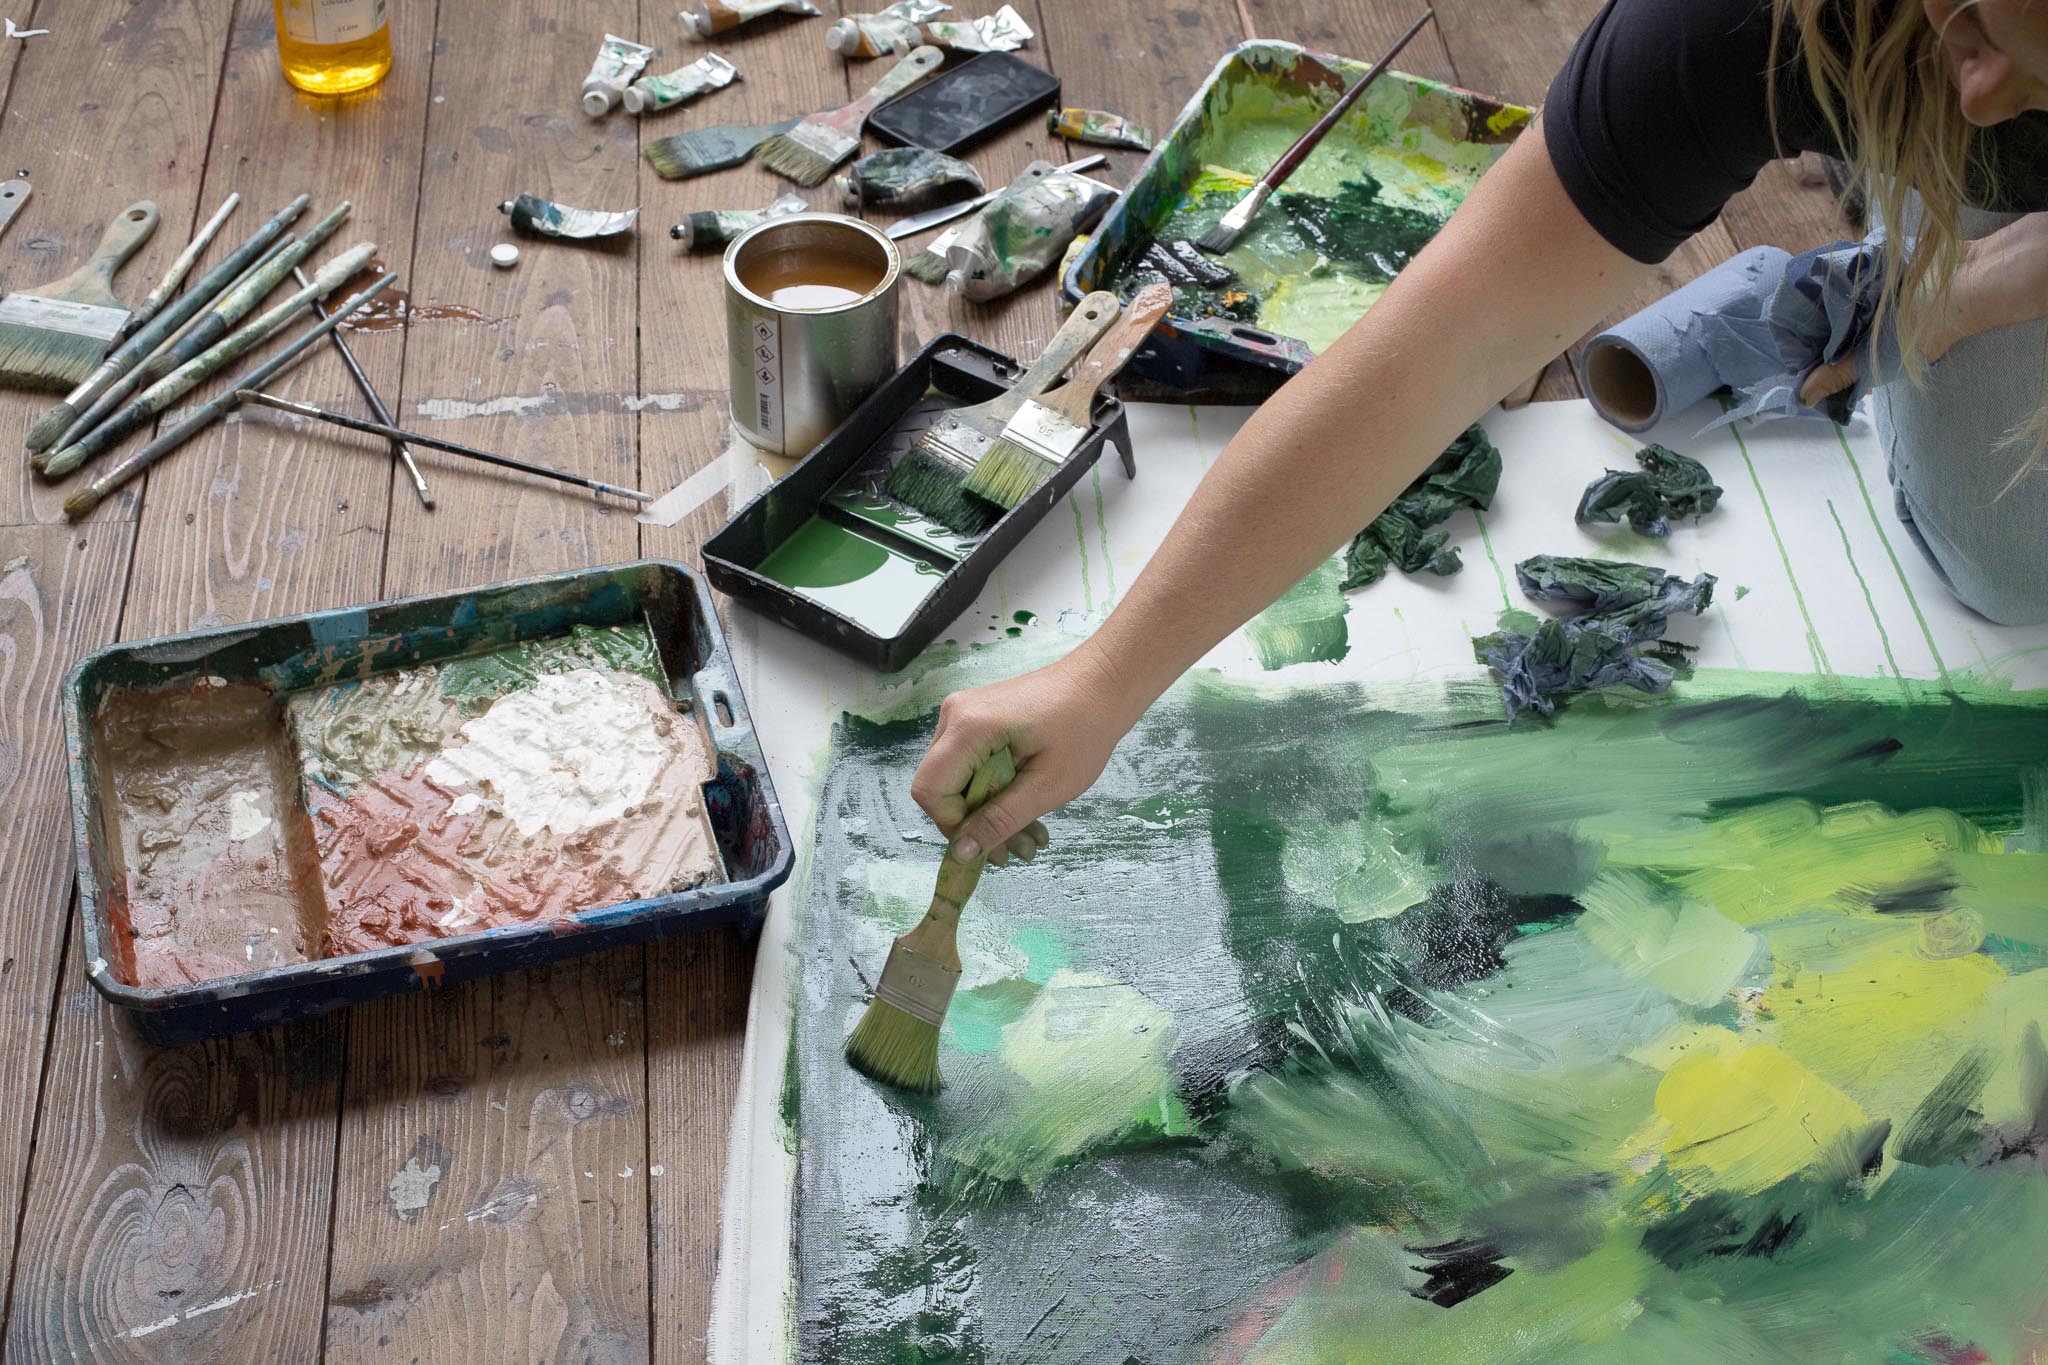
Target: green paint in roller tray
{"points": [[863, 580]]}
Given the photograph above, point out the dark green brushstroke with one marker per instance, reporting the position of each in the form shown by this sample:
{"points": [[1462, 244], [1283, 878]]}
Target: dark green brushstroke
{"points": [[483, 677]]}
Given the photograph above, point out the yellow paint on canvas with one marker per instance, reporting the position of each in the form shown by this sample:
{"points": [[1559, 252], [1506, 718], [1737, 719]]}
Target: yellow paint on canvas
{"points": [[1744, 1118]]}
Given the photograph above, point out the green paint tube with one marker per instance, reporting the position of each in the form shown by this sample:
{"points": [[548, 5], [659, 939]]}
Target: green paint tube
{"points": [[650, 94], [906, 179], [1023, 231], [710, 229]]}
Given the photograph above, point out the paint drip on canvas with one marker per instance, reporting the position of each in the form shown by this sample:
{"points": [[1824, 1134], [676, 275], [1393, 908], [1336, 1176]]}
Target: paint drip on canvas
{"points": [[1347, 1023]]}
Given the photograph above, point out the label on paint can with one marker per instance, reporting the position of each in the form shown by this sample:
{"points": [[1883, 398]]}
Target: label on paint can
{"points": [[767, 364], [327, 22]]}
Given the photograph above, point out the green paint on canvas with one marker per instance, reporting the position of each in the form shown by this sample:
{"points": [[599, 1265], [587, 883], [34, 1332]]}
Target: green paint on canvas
{"points": [[1306, 624]]}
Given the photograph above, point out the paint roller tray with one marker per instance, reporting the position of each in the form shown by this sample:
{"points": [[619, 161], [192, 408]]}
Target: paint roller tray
{"points": [[245, 679], [886, 581]]}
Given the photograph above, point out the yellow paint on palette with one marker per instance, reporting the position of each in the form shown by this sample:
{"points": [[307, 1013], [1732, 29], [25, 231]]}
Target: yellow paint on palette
{"points": [[1744, 1118]]}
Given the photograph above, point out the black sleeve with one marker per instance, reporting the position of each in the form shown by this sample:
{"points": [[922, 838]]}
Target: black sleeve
{"points": [[1660, 116]]}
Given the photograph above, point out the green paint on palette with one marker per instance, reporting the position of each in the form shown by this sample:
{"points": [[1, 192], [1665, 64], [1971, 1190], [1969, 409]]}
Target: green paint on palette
{"points": [[483, 677], [869, 583], [1307, 624]]}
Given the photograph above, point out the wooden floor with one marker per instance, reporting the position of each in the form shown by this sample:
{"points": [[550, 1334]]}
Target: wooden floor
{"points": [[527, 1168]]}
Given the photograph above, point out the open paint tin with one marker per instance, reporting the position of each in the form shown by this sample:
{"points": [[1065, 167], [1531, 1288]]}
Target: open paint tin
{"points": [[683, 665], [923, 575]]}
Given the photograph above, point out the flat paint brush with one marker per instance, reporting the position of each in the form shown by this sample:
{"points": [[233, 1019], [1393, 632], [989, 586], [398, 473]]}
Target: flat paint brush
{"points": [[709, 149], [206, 414], [234, 304], [188, 376], [1045, 432], [154, 301], [1231, 225], [51, 337], [389, 432], [808, 152], [946, 213], [930, 474], [137, 348], [897, 1039], [369, 393]]}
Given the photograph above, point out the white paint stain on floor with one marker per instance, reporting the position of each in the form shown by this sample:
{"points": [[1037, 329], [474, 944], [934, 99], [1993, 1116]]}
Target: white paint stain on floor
{"points": [[225, 1301]]}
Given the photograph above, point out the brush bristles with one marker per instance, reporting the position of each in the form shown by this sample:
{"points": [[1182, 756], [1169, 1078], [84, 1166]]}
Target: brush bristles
{"points": [[669, 161], [1006, 475], [791, 159], [1219, 238], [895, 1048], [50, 426], [55, 464], [929, 266], [39, 358], [929, 481], [81, 502]]}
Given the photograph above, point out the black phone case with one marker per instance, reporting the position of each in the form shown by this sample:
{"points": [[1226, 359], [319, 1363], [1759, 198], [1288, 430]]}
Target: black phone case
{"points": [[959, 107]]}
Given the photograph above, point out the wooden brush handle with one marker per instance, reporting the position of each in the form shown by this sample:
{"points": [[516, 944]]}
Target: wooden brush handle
{"points": [[921, 62], [1306, 143], [958, 879], [123, 237], [1091, 317], [1075, 399]]}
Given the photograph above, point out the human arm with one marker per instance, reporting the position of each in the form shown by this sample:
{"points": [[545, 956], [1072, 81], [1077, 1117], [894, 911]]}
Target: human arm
{"points": [[1514, 277]]}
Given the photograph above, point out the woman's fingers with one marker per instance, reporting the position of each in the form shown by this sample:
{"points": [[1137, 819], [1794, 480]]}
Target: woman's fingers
{"points": [[1827, 380]]}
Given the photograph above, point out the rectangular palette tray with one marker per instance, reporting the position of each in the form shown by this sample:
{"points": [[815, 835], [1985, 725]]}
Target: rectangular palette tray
{"points": [[860, 452], [1212, 359], [300, 652]]}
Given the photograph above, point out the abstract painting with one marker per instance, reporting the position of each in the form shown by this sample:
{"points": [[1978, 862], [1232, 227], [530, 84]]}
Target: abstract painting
{"points": [[1347, 1022]]}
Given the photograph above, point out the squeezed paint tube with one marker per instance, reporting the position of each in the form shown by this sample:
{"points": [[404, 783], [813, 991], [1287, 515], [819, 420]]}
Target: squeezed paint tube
{"points": [[537, 217], [904, 179], [651, 94], [1022, 232], [1097, 128], [710, 229], [618, 62], [910, 23], [706, 17]]}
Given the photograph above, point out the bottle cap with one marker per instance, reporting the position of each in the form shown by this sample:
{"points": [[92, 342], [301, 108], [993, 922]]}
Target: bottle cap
{"points": [[504, 255], [633, 100], [597, 103]]}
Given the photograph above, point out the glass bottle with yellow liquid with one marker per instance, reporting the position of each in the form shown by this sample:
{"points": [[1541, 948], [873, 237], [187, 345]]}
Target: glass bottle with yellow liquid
{"points": [[330, 47]]}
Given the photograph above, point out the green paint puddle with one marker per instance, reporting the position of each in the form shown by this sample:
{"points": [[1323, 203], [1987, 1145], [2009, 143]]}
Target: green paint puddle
{"points": [[872, 507], [863, 580], [1024, 618], [1306, 625]]}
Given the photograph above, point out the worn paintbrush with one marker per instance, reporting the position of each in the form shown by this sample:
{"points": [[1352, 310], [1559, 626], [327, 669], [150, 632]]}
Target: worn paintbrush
{"points": [[51, 337], [709, 149], [369, 393], [930, 474], [1231, 225], [154, 301], [897, 1039], [1041, 436], [195, 371], [808, 152], [206, 414], [135, 349]]}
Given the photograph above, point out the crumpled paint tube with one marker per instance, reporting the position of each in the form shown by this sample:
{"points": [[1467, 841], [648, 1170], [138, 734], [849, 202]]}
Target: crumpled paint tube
{"points": [[710, 229], [1757, 324], [1668, 485], [706, 17], [1021, 233], [537, 217], [618, 62], [905, 179], [651, 94], [906, 25], [1620, 606], [1465, 474], [1097, 128]]}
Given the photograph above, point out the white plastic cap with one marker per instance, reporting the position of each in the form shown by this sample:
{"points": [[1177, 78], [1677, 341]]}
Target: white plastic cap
{"points": [[504, 255], [597, 103], [633, 100]]}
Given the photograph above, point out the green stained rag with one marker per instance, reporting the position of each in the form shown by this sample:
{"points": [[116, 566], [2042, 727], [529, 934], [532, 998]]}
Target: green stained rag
{"points": [[1465, 475], [1668, 485]]}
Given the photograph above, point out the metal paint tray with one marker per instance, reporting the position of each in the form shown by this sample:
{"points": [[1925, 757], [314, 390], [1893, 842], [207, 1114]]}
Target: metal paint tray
{"points": [[949, 372], [314, 650], [1215, 360]]}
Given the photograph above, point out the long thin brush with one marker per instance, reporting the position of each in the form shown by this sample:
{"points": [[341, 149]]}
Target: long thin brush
{"points": [[52, 336], [1043, 434], [206, 414], [188, 376], [709, 149], [808, 152], [1231, 225], [369, 393], [153, 302], [931, 473], [897, 1039], [135, 349]]}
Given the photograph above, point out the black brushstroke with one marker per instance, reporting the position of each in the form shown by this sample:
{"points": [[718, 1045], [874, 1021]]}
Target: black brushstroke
{"points": [[1457, 1270]]}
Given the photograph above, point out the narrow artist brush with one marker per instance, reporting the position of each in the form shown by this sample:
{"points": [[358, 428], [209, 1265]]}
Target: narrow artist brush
{"points": [[188, 376], [132, 352], [51, 336], [897, 1039], [209, 327], [369, 392], [154, 301], [1231, 225], [249, 394], [1043, 434], [709, 149], [808, 152], [211, 411]]}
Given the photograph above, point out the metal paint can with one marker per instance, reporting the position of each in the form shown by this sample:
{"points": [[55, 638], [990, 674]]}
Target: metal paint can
{"points": [[798, 371]]}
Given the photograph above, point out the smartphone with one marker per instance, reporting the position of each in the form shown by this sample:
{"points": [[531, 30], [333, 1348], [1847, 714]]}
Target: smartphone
{"points": [[959, 107]]}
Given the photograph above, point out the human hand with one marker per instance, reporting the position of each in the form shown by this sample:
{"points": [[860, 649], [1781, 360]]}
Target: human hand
{"points": [[1060, 727]]}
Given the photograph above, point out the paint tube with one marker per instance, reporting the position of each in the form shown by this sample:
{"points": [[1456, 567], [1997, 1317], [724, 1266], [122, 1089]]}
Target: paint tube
{"points": [[537, 217], [1022, 232], [709, 229], [904, 179], [618, 62], [1205, 269], [706, 17], [1098, 129], [910, 23], [650, 94]]}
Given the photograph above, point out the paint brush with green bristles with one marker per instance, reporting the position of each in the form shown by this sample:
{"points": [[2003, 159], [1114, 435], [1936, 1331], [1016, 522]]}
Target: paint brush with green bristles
{"points": [[897, 1040]]}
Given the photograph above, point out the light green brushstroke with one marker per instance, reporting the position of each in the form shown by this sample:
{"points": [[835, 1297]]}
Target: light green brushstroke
{"points": [[1885, 540], [1813, 645], [1306, 625], [1870, 604]]}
